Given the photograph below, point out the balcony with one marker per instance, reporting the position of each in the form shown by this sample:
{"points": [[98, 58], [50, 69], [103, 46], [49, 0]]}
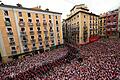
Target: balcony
{"points": [[33, 40], [44, 23], [25, 42], [13, 52], [57, 24], [51, 24], [85, 32], [30, 24], [22, 24], [23, 33], [45, 30], [46, 43], [31, 32], [52, 37], [108, 29], [38, 24], [34, 48], [7, 23], [10, 33], [46, 37], [114, 23], [113, 29], [39, 39], [40, 47], [26, 49], [51, 30], [12, 43], [39, 32]]}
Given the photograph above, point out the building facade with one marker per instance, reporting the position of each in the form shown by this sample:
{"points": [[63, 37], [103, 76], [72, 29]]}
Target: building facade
{"points": [[119, 21], [28, 30], [102, 23], [81, 25], [111, 23]]}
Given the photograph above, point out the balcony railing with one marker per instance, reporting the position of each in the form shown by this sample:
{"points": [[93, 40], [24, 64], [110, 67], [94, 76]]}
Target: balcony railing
{"points": [[51, 37], [46, 37], [31, 32], [37, 24], [113, 29], [24, 42], [22, 33], [26, 49], [45, 30], [13, 52], [40, 47], [33, 40], [39, 32], [108, 29], [34, 48], [57, 24], [22, 24], [10, 33], [7, 23], [114, 23], [12, 43], [30, 24], [51, 30], [50, 24], [44, 23], [39, 39]]}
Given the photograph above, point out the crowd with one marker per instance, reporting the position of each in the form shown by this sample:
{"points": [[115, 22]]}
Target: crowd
{"points": [[101, 61], [19, 66]]}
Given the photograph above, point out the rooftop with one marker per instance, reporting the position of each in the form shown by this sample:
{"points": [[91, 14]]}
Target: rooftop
{"points": [[19, 6]]}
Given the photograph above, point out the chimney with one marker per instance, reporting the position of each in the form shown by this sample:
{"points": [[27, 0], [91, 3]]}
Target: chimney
{"points": [[47, 9], [19, 5]]}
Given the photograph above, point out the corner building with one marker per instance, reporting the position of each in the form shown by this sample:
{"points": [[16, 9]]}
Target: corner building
{"points": [[82, 25], [28, 30]]}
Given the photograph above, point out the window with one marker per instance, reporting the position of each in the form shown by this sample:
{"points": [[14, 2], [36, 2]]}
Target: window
{"points": [[36, 15], [33, 45], [84, 16], [20, 14], [37, 21], [90, 18], [52, 41], [40, 43], [7, 20], [51, 34], [11, 39], [29, 15], [43, 15], [49, 21], [56, 22], [56, 17], [24, 38], [26, 46], [57, 29], [77, 16], [21, 20], [5, 12], [13, 48], [22, 29], [49, 16], [32, 37], [74, 18], [9, 29], [58, 35], [39, 35], [38, 28], [30, 20], [31, 28]]}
